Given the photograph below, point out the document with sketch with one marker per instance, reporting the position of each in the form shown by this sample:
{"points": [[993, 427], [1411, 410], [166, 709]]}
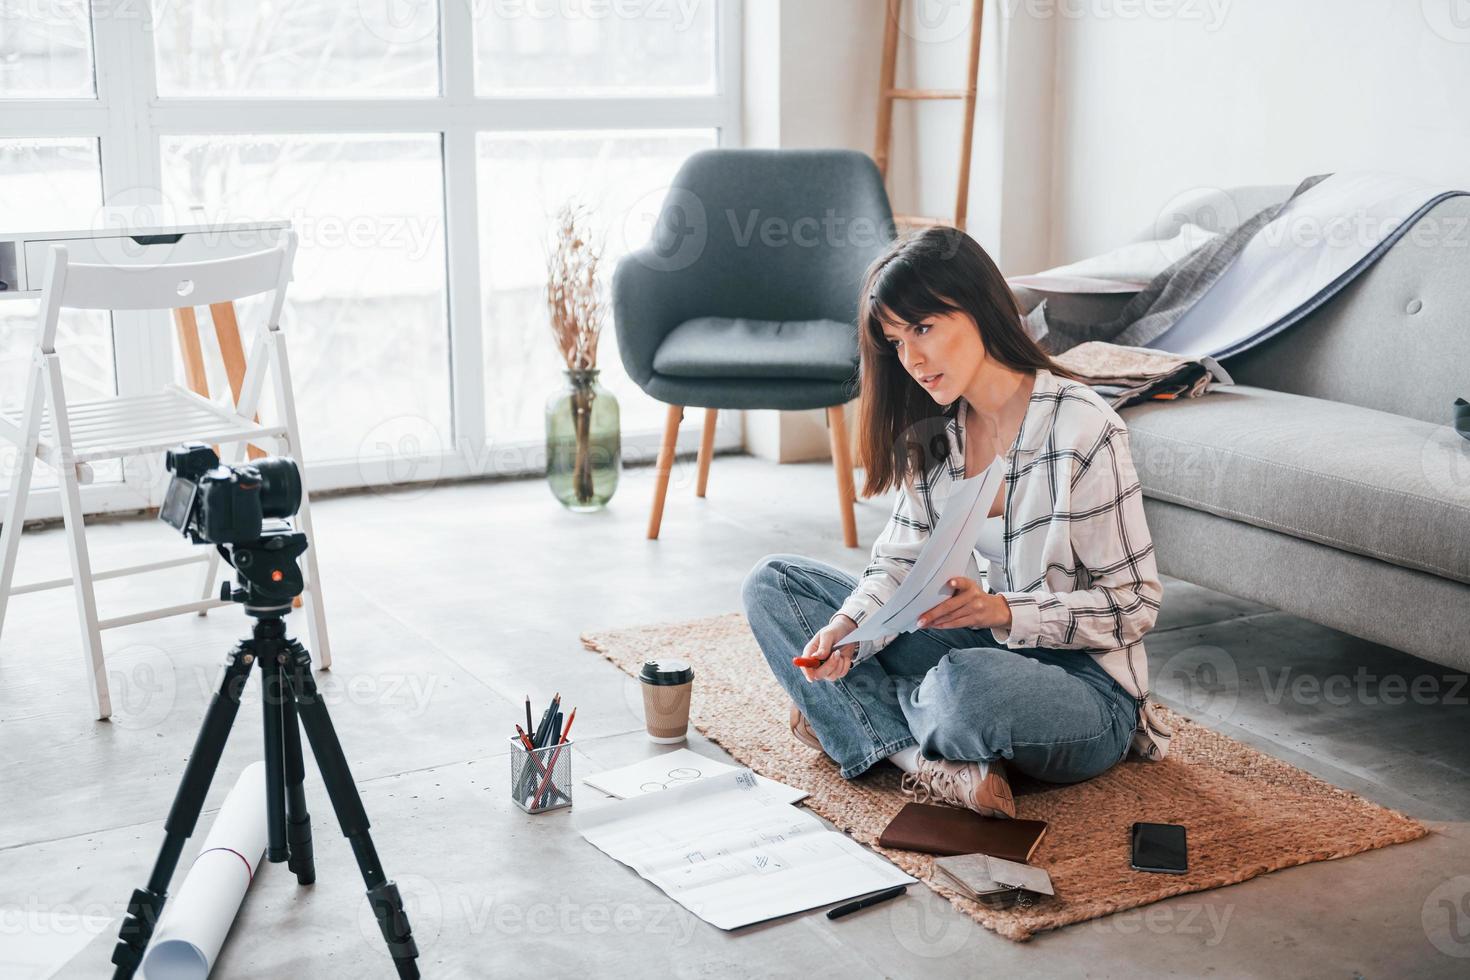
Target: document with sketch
{"points": [[946, 555], [734, 854]]}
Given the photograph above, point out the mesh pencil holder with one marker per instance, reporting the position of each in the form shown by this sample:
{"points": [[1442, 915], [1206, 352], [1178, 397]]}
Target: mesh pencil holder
{"points": [[540, 779]]}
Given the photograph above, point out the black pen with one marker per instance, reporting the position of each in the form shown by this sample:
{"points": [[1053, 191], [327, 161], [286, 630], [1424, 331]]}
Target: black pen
{"points": [[863, 903]]}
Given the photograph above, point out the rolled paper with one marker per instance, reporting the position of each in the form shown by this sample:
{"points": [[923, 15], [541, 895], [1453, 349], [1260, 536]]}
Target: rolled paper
{"points": [[198, 916]]}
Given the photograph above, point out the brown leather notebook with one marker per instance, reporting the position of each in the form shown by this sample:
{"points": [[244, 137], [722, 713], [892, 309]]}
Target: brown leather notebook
{"points": [[950, 830]]}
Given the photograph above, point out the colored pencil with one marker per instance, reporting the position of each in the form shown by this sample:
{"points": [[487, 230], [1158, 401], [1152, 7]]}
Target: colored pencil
{"points": [[551, 766]]}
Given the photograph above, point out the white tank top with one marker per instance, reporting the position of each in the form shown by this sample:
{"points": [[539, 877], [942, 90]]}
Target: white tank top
{"points": [[991, 544]]}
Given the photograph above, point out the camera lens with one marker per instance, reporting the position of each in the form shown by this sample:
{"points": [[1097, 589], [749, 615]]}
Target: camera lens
{"points": [[280, 486]]}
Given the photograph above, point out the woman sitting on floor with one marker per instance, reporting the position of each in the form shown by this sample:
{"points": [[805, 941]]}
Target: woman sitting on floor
{"points": [[1047, 670]]}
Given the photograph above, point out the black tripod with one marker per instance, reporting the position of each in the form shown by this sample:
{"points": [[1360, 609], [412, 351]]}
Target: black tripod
{"points": [[289, 693]]}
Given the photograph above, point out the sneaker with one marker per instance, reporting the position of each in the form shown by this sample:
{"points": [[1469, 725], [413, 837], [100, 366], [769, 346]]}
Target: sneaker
{"points": [[803, 731], [960, 784]]}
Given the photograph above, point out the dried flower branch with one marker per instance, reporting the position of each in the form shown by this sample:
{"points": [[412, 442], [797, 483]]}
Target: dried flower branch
{"points": [[572, 293]]}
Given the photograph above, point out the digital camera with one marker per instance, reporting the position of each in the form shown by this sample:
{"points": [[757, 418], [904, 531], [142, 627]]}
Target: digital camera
{"points": [[220, 504]]}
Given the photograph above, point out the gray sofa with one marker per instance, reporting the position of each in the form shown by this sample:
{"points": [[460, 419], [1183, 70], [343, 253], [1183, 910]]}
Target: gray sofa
{"points": [[1328, 481]]}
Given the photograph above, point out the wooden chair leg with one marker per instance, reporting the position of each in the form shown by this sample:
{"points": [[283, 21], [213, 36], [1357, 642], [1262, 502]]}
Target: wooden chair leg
{"points": [[187, 325], [232, 352], [842, 462], [665, 467], [706, 450]]}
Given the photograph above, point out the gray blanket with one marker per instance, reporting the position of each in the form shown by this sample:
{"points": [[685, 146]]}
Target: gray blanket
{"points": [[1160, 305], [1172, 292]]}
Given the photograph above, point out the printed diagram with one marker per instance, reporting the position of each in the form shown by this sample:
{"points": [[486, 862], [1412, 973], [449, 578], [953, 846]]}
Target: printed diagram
{"points": [[682, 769], [731, 853], [682, 774]]}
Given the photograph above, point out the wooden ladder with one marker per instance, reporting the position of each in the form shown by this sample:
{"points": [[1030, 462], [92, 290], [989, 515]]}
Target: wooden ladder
{"points": [[888, 94]]}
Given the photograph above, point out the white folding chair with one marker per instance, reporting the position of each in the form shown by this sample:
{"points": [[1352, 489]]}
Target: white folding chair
{"points": [[70, 437]]}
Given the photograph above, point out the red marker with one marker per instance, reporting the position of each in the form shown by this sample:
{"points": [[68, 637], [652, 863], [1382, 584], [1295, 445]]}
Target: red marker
{"points": [[807, 661]]}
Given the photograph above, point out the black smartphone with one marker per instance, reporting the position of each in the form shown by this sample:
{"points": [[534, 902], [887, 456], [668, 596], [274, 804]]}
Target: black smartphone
{"points": [[1160, 847]]}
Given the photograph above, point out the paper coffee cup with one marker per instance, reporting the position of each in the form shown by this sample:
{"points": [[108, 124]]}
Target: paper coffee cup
{"points": [[666, 686]]}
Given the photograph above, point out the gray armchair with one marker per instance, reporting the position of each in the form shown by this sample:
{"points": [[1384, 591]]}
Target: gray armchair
{"points": [[746, 296]]}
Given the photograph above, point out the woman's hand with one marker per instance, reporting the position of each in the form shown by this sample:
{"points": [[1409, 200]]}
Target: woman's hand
{"points": [[836, 660], [970, 607]]}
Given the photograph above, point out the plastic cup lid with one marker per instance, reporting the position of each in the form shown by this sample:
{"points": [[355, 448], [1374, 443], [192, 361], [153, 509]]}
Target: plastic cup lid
{"points": [[667, 671]]}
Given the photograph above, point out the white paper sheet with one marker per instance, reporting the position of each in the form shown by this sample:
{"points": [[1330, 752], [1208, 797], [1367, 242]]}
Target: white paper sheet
{"points": [[41, 944], [197, 918], [734, 855], [674, 769], [946, 555]]}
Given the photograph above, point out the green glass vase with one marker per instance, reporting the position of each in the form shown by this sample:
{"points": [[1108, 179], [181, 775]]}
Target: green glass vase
{"points": [[584, 443]]}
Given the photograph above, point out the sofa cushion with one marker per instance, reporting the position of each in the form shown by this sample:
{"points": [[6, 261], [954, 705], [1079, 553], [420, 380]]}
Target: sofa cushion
{"points": [[719, 347], [1382, 485]]}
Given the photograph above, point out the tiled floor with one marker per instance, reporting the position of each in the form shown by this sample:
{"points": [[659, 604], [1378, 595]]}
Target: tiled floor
{"points": [[448, 604]]}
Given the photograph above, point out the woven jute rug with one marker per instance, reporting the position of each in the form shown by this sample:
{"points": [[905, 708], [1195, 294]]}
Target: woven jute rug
{"points": [[1246, 812]]}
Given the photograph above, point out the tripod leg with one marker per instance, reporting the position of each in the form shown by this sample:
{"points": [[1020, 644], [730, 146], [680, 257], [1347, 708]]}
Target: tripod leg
{"points": [[382, 894], [146, 904], [298, 821], [273, 694]]}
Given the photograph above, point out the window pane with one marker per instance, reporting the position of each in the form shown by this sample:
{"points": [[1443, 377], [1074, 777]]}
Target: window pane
{"points": [[51, 185], [606, 47], [45, 50], [365, 312], [321, 48], [524, 179]]}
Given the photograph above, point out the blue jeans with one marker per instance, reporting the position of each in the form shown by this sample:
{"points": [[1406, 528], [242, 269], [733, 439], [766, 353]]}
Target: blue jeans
{"points": [[1054, 715]]}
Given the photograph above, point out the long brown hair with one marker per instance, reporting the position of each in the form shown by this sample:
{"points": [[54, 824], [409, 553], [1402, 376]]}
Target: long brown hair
{"points": [[938, 270]]}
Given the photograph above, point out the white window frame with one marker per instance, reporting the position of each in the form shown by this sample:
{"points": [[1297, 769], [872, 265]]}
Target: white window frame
{"points": [[131, 120]]}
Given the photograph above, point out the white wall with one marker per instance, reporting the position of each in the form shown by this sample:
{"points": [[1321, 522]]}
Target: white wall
{"points": [[811, 80], [1225, 92], [1095, 114]]}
